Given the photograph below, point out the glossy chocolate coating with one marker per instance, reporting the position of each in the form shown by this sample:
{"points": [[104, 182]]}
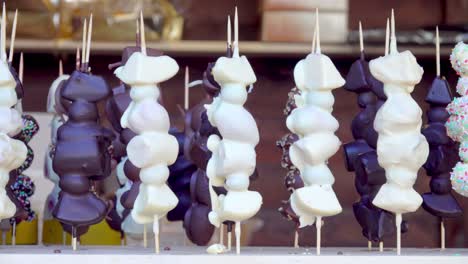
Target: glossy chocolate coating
{"points": [[361, 156], [113, 219], [115, 108], [179, 180], [81, 154], [443, 153], [19, 85]]}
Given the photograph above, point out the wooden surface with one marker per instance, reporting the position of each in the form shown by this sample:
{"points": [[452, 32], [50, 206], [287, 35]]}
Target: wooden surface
{"points": [[204, 48], [198, 255]]}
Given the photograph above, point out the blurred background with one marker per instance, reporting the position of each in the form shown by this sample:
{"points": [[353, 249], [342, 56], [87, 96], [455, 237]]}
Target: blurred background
{"points": [[274, 34]]}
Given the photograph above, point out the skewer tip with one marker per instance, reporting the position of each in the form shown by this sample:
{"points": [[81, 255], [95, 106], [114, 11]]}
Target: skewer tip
{"points": [[142, 34], [361, 37], [317, 25], [229, 31], [236, 34]]}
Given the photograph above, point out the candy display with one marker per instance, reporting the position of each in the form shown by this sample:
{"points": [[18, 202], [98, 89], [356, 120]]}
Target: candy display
{"points": [[315, 76], [401, 148], [456, 123], [361, 156], [124, 171]]}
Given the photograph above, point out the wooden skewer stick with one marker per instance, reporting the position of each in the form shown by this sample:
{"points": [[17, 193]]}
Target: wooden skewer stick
{"points": [[381, 246], [317, 26], [60, 68], [64, 238], [236, 35], [398, 220], [393, 40], [369, 245], [142, 32], [318, 225], [186, 89], [387, 37], [221, 235], [13, 234], [74, 238], [229, 240], [229, 42], [437, 52], [138, 36], [442, 234], [19, 104], [3, 35], [145, 237], [88, 45], [296, 239], [3, 238], [21, 68], [13, 36], [361, 38], [238, 237], [156, 233], [77, 59], [314, 39], [83, 45]]}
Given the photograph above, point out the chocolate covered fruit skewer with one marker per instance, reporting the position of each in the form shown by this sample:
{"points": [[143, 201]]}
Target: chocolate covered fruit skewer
{"points": [[153, 149], [312, 122], [361, 155], [238, 142], [443, 154], [23, 187], [79, 169], [401, 148], [58, 112], [293, 179], [13, 151]]}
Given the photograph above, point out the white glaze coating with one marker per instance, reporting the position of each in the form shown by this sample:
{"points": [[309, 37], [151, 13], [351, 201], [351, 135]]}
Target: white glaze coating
{"points": [[401, 148], [457, 122], [12, 152], [233, 157], [153, 149], [316, 77]]}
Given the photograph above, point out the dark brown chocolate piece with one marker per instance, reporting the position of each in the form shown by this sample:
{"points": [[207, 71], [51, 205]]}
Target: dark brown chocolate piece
{"points": [[179, 180], [82, 151], [19, 85], [361, 156], [443, 153], [197, 130]]}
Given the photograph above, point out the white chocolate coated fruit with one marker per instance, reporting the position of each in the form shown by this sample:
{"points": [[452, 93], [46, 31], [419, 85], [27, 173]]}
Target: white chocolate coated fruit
{"points": [[312, 121], [401, 148], [153, 149]]}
